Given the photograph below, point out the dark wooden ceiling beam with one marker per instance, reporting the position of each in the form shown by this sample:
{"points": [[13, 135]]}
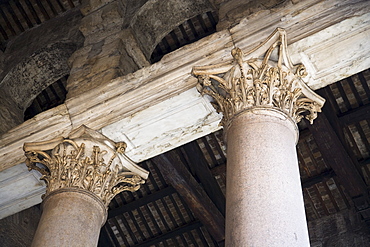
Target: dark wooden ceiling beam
{"points": [[331, 111], [317, 179], [104, 239], [43, 10], [3, 33], [176, 174], [141, 202], [163, 237], [8, 24], [61, 5], [24, 14], [205, 176], [354, 91], [51, 6], [336, 155], [330, 140], [219, 170], [355, 116], [364, 84], [33, 11], [71, 5], [184, 34], [14, 17], [365, 162]]}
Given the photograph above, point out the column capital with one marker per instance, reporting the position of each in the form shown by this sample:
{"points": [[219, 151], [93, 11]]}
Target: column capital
{"points": [[263, 77], [85, 160]]}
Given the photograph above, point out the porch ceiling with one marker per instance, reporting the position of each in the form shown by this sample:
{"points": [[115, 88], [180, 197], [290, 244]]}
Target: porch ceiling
{"points": [[334, 162]]}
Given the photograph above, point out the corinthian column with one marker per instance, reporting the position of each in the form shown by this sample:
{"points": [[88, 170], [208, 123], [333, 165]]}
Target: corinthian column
{"points": [[262, 100], [83, 173]]}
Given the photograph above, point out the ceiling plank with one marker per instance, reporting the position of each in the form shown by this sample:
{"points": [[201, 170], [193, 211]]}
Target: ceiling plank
{"points": [[306, 183], [24, 14], [192, 192], [141, 202], [336, 155], [355, 116], [33, 12], [104, 238], [43, 10], [219, 170], [329, 137], [8, 24], [14, 17], [171, 234]]}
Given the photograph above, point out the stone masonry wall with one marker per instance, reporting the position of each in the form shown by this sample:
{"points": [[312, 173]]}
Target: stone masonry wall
{"points": [[232, 11], [109, 50], [120, 36], [34, 60]]}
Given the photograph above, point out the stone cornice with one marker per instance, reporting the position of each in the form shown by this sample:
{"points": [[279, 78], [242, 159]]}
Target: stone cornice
{"points": [[86, 160], [329, 37], [249, 81], [337, 24]]}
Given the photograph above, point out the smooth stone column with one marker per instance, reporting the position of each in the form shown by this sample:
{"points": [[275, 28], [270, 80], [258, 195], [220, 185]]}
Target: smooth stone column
{"points": [[262, 96], [70, 218], [264, 205]]}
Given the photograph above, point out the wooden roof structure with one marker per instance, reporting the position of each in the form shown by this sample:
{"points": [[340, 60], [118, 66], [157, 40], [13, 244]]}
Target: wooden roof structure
{"points": [[183, 201], [184, 197]]}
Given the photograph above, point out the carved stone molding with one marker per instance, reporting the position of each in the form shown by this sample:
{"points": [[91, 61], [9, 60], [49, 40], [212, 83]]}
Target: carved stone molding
{"points": [[264, 77], [86, 160]]}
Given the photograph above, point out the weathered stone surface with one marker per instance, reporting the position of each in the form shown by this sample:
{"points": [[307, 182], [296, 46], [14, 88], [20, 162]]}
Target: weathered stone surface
{"points": [[109, 17], [102, 63], [132, 48], [342, 52], [2, 57], [33, 61], [63, 29], [108, 51], [19, 189], [155, 19], [176, 121], [48, 124], [10, 115], [346, 24], [154, 84], [232, 12], [29, 77], [78, 59], [89, 6]]}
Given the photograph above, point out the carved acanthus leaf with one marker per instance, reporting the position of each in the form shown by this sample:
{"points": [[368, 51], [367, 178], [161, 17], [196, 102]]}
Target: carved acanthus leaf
{"points": [[89, 161], [274, 83]]}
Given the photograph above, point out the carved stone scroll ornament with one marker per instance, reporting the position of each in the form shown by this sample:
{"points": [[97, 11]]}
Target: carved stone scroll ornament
{"points": [[86, 160], [249, 81]]}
